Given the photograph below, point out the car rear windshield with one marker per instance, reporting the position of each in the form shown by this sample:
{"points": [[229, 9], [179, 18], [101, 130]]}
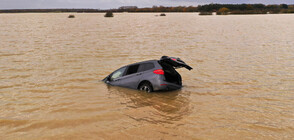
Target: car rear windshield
{"points": [[167, 67]]}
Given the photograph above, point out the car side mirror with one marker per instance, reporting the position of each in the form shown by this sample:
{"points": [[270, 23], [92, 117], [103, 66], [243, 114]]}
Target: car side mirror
{"points": [[108, 79]]}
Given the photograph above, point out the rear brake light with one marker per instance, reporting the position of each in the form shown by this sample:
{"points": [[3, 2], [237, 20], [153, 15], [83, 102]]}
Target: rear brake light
{"points": [[174, 59], [159, 71]]}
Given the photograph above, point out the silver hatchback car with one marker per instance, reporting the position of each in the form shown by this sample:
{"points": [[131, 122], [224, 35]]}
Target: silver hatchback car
{"points": [[149, 76]]}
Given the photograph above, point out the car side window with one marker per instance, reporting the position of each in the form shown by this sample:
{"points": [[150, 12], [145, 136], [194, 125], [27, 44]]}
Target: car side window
{"points": [[146, 66], [118, 73], [132, 69]]}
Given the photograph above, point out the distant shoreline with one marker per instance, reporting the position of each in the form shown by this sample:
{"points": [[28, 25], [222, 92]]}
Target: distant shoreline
{"points": [[221, 9], [199, 13]]}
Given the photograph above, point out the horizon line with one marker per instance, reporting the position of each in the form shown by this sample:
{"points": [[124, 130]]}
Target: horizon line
{"points": [[138, 7]]}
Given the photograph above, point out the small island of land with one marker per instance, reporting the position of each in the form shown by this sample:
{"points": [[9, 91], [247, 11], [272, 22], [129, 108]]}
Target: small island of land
{"points": [[108, 14]]}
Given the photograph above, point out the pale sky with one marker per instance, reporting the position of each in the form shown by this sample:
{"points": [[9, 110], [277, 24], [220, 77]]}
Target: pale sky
{"points": [[106, 4]]}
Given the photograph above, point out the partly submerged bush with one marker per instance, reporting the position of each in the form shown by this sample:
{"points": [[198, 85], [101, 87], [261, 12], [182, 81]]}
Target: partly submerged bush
{"points": [[71, 16], [223, 11], [248, 12], [163, 14], [108, 14], [287, 11], [205, 13]]}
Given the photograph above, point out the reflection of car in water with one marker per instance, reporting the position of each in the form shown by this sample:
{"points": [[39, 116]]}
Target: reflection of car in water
{"points": [[165, 108], [152, 75]]}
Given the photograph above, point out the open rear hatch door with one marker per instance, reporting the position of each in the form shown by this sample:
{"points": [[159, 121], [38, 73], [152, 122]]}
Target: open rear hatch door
{"points": [[175, 62]]}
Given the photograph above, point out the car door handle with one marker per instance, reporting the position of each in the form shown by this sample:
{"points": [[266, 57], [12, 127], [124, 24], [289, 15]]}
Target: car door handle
{"points": [[116, 80], [139, 74]]}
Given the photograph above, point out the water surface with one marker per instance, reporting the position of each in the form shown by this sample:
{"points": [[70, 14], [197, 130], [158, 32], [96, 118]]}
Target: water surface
{"points": [[241, 86]]}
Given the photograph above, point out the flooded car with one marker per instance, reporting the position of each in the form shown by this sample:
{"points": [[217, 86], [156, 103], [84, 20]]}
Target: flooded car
{"points": [[149, 76]]}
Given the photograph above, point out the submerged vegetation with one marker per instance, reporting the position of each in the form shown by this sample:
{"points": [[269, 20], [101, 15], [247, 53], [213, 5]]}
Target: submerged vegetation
{"points": [[71, 16], [223, 11], [108, 14], [162, 14], [205, 13], [220, 9], [248, 12], [287, 11]]}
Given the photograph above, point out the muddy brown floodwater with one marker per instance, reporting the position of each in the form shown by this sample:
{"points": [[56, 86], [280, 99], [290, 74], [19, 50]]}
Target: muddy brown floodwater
{"points": [[241, 87]]}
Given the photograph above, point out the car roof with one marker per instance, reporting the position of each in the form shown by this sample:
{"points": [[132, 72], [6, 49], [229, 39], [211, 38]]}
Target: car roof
{"points": [[147, 61]]}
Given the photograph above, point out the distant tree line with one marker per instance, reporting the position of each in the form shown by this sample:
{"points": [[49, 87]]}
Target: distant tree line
{"points": [[246, 8], [227, 8], [158, 9]]}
